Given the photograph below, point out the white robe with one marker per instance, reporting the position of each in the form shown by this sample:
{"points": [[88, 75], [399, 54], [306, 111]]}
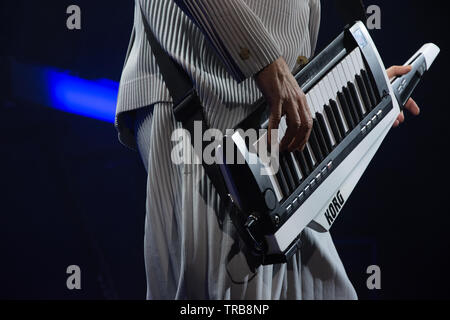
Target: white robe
{"points": [[188, 235]]}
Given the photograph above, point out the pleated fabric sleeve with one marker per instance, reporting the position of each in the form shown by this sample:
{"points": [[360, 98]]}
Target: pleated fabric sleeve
{"points": [[238, 36], [220, 44]]}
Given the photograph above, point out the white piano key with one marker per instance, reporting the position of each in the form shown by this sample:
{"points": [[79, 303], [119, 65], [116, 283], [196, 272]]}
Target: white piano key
{"points": [[296, 167], [320, 102], [331, 89], [348, 74], [352, 79], [337, 77], [361, 101], [341, 74], [321, 96], [357, 67], [311, 154], [334, 90], [282, 126], [331, 94], [276, 186], [311, 103], [323, 93], [360, 60], [270, 173], [334, 83], [354, 62], [351, 69], [337, 88], [314, 103], [314, 100]]}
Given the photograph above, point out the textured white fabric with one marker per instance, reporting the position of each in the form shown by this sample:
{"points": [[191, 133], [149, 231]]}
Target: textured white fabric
{"points": [[188, 235], [290, 28]]}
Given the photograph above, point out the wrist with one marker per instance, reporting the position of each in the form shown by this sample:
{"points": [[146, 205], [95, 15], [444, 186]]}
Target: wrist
{"points": [[274, 66]]}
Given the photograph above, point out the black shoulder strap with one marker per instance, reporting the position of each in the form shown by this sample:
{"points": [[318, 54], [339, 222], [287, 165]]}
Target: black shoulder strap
{"points": [[181, 89]]}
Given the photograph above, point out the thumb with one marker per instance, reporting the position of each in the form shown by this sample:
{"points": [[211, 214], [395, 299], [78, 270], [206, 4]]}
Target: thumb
{"points": [[396, 71]]}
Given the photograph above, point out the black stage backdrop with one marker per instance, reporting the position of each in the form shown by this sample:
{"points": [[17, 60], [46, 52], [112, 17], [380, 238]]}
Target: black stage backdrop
{"points": [[72, 195]]}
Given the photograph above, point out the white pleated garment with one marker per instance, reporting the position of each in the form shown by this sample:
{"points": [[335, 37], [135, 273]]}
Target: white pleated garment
{"points": [[188, 235]]}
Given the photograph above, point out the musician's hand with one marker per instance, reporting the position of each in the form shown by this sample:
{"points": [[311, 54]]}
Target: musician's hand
{"points": [[285, 97], [411, 105]]}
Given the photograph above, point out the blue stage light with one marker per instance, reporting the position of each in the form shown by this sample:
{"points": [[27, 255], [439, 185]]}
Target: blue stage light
{"points": [[64, 91], [92, 98]]}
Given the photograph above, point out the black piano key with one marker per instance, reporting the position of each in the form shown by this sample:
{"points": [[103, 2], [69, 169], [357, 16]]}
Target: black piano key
{"points": [[337, 116], [369, 87], [346, 110], [351, 105], [323, 126], [355, 97], [364, 93], [302, 163], [282, 180], [287, 172], [314, 143], [291, 165], [333, 124], [320, 134], [309, 160], [374, 87]]}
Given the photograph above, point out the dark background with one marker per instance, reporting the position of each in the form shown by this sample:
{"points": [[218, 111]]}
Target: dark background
{"points": [[72, 194]]}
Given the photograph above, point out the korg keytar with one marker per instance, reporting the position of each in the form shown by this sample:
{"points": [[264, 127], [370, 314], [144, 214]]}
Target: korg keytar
{"points": [[354, 105]]}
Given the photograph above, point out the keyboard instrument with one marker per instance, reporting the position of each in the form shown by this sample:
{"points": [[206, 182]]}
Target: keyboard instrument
{"points": [[354, 105]]}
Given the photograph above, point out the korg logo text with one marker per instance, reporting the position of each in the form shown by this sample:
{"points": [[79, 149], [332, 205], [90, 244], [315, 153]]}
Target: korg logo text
{"points": [[334, 208]]}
